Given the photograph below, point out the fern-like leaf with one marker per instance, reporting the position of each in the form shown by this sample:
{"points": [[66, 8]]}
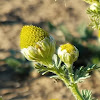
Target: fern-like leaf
{"points": [[87, 95], [83, 73]]}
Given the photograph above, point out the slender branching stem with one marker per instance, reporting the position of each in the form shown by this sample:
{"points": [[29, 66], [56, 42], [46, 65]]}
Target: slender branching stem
{"points": [[73, 86], [75, 91], [70, 73], [70, 82]]}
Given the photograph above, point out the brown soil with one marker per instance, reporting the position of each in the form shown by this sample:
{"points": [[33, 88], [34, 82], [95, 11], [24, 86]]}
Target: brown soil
{"points": [[13, 15], [14, 87]]}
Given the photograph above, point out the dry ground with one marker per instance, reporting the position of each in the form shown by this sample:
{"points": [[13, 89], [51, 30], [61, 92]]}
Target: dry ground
{"points": [[36, 87]]}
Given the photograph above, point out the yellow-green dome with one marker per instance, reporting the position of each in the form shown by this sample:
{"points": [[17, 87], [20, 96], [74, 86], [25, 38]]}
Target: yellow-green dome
{"points": [[30, 35], [68, 53], [68, 47]]}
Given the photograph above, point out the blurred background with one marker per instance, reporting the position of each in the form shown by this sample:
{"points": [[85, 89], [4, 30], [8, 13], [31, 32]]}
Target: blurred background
{"points": [[66, 21]]}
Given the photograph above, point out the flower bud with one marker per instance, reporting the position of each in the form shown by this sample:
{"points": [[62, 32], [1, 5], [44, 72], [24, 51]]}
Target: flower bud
{"points": [[36, 44], [68, 53]]}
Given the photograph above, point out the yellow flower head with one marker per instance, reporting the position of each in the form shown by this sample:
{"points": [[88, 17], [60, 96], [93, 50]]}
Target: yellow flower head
{"points": [[68, 47], [30, 35], [36, 44], [68, 53]]}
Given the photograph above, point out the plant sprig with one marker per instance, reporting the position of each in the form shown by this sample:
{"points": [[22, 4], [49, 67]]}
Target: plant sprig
{"points": [[41, 51], [94, 13], [83, 72], [95, 18]]}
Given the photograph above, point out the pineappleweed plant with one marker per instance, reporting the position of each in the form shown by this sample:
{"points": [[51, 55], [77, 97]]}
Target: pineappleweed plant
{"points": [[94, 14], [38, 46]]}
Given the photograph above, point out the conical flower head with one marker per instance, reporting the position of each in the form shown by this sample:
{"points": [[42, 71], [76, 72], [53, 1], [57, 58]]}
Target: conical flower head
{"points": [[36, 44], [68, 53]]}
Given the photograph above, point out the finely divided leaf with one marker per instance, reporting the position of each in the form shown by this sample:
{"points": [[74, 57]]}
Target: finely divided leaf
{"points": [[87, 95], [83, 73]]}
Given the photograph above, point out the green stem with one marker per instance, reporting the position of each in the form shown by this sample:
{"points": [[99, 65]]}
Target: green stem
{"points": [[72, 87], [64, 79], [75, 91], [71, 84], [70, 72]]}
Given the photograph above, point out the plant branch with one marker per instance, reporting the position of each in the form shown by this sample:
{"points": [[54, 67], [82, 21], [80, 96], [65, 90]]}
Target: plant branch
{"points": [[70, 84]]}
